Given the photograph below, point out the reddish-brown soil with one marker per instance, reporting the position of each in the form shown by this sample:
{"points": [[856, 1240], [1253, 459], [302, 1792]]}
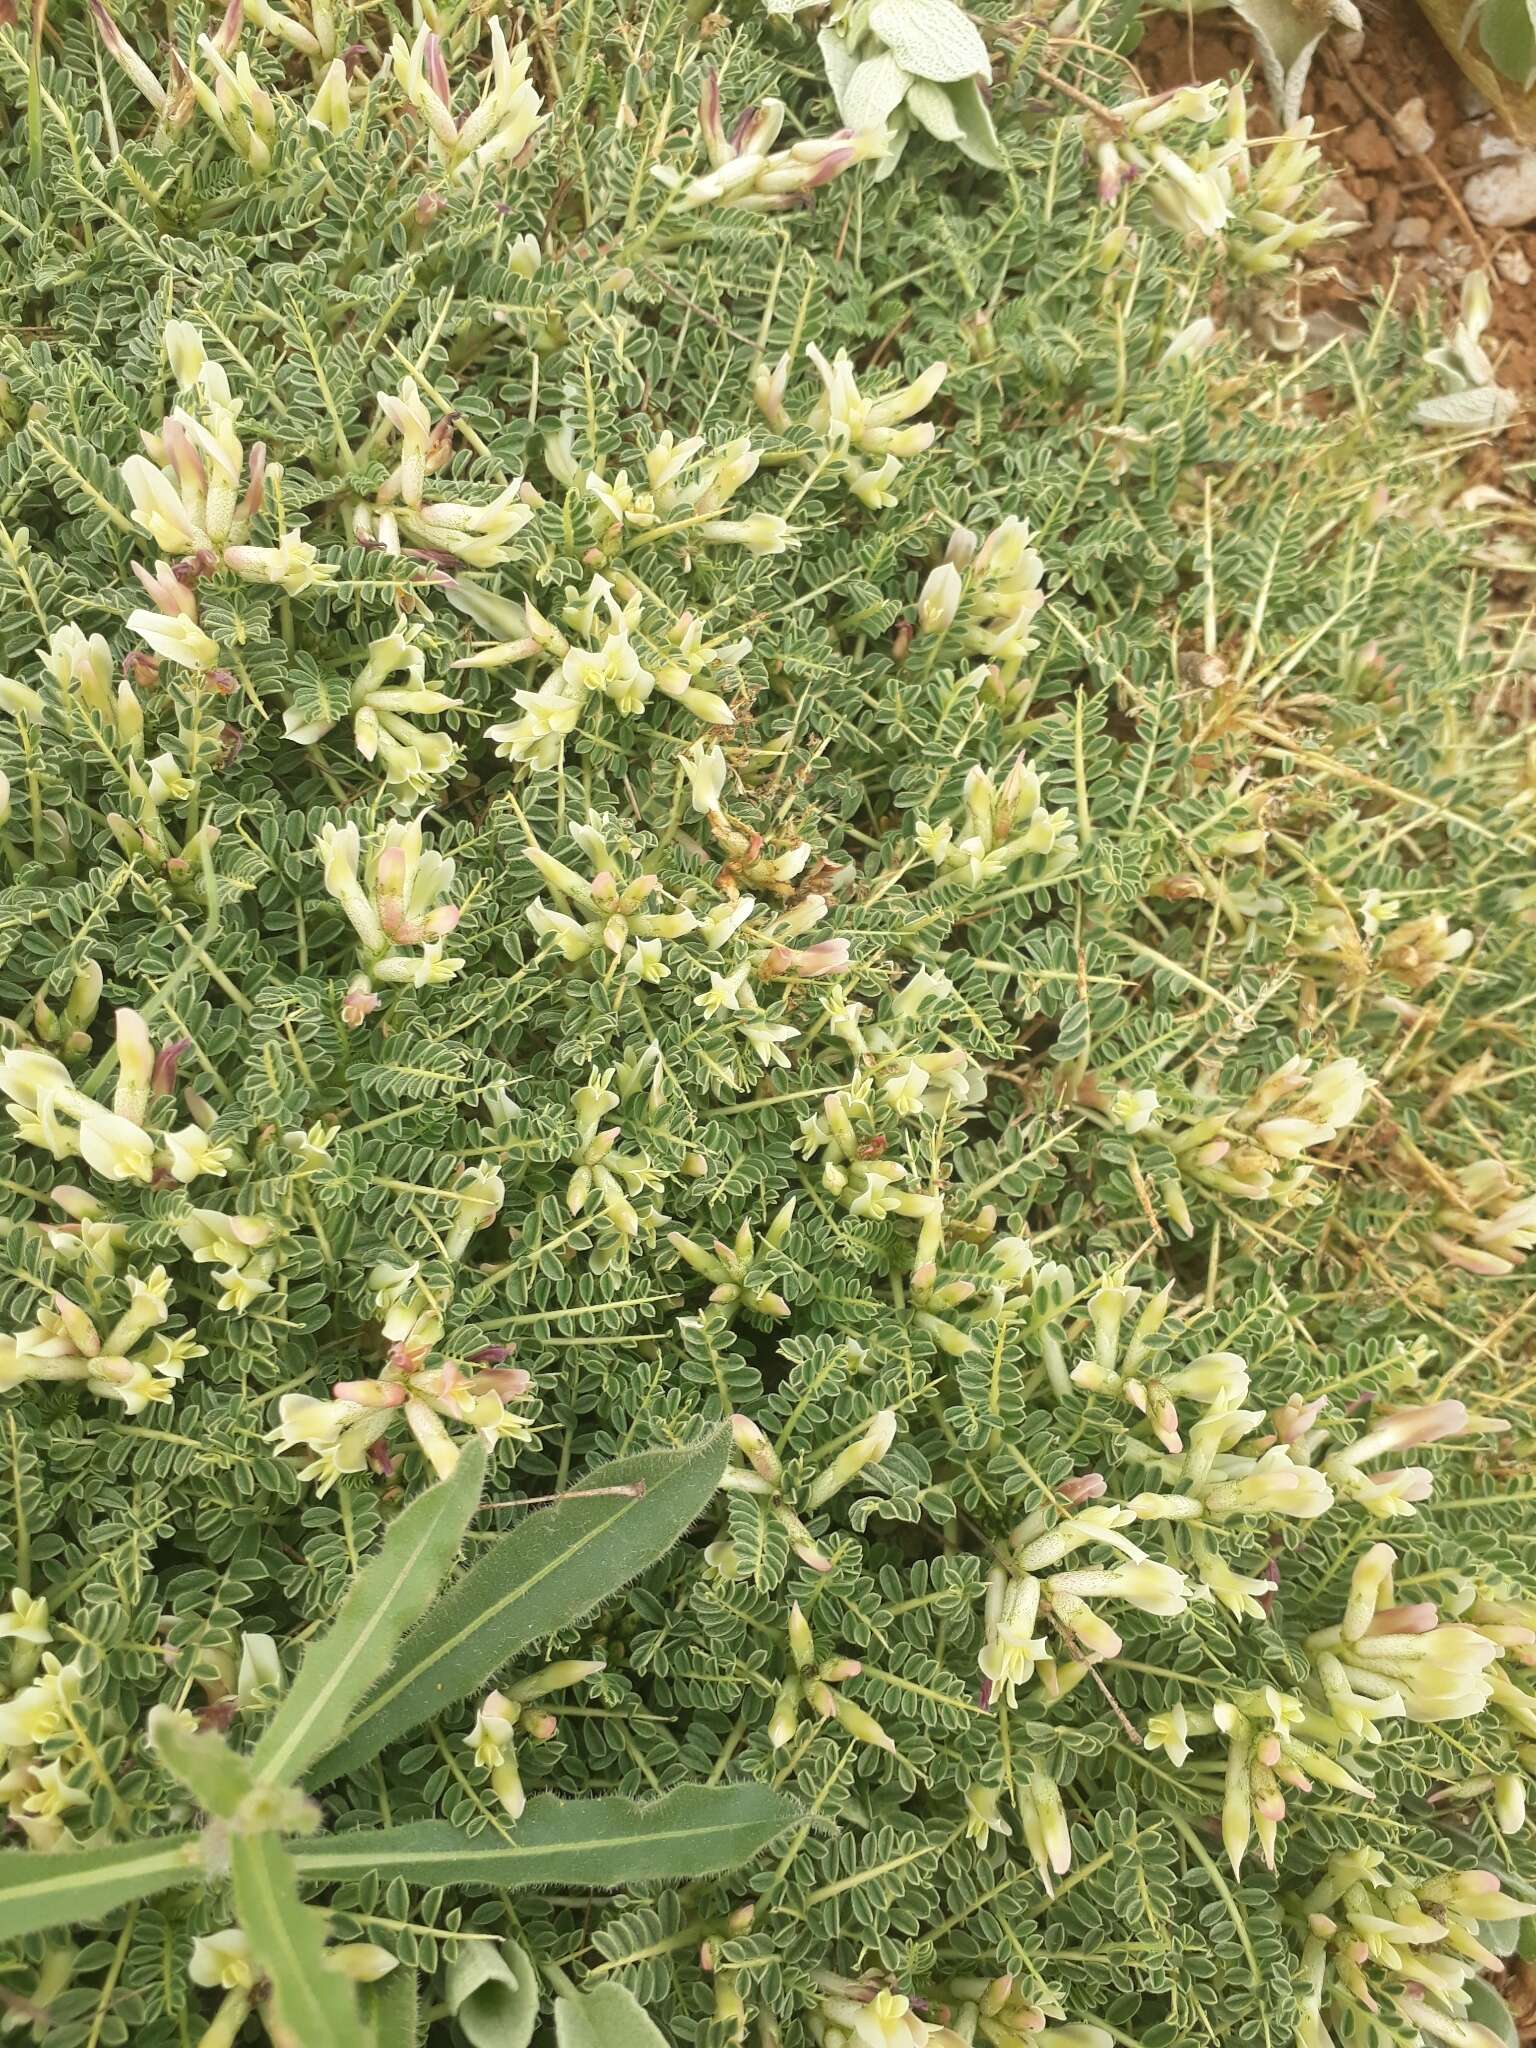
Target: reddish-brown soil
{"points": [[1414, 234]]}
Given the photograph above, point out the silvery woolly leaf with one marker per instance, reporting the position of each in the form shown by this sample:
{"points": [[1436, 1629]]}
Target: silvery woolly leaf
{"points": [[874, 92], [493, 1994], [607, 2016], [978, 138], [1487, 2009], [896, 139], [929, 104], [930, 38], [841, 64], [1487, 409], [1288, 36]]}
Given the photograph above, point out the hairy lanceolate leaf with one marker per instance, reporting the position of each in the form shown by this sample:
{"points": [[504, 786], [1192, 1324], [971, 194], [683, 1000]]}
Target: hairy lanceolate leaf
{"points": [[80, 1886], [932, 39], [216, 1776], [873, 93], [527, 1585], [599, 1844], [314, 2006], [391, 1592], [606, 2016], [389, 2011]]}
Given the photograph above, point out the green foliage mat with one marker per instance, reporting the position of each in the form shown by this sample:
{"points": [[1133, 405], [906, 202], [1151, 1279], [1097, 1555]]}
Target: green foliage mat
{"points": [[743, 792]]}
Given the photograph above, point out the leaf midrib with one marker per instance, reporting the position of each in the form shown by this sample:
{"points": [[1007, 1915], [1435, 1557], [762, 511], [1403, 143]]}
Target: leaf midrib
{"points": [[516, 1592], [379, 1619], [171, 1859], [469, 1852], [524, 1586]]}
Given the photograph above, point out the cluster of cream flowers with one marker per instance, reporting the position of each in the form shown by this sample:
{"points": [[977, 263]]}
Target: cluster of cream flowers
{"points": [[413, 759], [504, 120], [999, 2013], [1350, 944], [748, 173], [1257, 1151], [1003, 826], [503, 1716], [196, 492], [605, 1181], [1382, 1660], [991, 591], [763, 1475], [1489, 1225], [850, 425], [731, 1268], [498, 130], [242, 112], [964, 1312], [1029, 1590], [82, 671], [392, 898], [843, 1135], [622, 653], [242, 1249], [128, 1361], [740, 945], [815, 1683], [687, 487], [1273, 1741], [448, 531], [1376, 1944], [346, 1433], [51, 1111], [224, 1961], [39, 1794], [1213, 182]]}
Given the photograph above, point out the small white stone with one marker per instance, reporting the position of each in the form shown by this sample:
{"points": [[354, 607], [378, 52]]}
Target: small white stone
{"points": [[1504, 196], [1413, 129], [1342, 203], [1513, 265], [1412, 233]]}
